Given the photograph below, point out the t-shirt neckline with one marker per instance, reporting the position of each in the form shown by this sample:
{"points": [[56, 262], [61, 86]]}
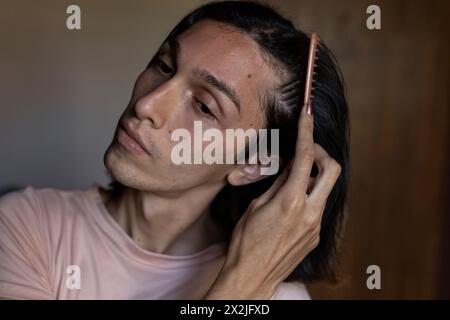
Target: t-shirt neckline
{"points": [[129, 247]]}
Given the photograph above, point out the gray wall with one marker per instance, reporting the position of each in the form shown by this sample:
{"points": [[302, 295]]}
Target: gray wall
{"points": [[62, 91]]}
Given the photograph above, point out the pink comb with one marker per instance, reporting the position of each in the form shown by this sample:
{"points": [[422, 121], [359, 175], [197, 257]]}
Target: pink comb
{"points": [[310, 72]]}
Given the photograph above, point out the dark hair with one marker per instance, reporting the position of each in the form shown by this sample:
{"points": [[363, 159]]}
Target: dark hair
{"points": [[287, 51]]}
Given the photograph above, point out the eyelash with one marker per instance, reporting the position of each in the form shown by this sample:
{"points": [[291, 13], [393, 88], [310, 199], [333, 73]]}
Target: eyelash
{"points": [[161, 64], [208, 114]]}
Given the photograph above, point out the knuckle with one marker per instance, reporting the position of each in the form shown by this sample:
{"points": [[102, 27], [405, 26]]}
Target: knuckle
{"points": [[338, 169], [317, 231], [328, 162], [253, 204], [336, 166], [310, 222], [290, 204], [316, 242], [308, 125], [308, 152], [332, 165]]}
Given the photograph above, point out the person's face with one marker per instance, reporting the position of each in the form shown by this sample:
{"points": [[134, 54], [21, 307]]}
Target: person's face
{"points": [[172, 94]]}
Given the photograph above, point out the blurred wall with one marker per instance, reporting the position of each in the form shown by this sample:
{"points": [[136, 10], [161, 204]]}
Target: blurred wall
{"points": [[62, 92]]}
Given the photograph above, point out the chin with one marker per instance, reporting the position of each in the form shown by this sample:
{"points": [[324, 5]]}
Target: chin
{"points": [[117, 168], [127, 174]]}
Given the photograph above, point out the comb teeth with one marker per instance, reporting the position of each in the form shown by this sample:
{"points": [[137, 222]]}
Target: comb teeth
{"points": [[312, 63]]}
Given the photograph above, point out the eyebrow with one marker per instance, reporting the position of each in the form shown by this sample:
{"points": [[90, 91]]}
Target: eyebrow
{"points": [[206, 76]]}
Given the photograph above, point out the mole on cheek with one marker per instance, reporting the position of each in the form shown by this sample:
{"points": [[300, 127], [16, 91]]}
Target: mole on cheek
{"points": [[249, 76]]}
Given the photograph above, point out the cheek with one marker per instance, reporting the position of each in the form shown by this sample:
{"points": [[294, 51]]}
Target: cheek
{"points": [[193, 174], [187, 176], [182, 118]]}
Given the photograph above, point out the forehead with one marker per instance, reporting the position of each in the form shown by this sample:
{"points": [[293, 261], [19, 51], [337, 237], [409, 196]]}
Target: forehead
{"points": [[234, 58]]}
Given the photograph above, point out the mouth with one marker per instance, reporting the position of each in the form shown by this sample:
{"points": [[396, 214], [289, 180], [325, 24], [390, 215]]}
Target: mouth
{"points": [[130, 140]]}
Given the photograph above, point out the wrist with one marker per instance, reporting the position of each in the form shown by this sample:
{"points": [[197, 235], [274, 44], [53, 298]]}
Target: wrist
{"points": [[237, 283]]}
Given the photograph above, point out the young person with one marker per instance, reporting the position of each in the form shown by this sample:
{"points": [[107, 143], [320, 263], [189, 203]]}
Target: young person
{"points": [[197, 231]]}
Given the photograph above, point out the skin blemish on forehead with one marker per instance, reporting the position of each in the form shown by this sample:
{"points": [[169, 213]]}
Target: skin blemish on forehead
{"points": [[249, 76]]}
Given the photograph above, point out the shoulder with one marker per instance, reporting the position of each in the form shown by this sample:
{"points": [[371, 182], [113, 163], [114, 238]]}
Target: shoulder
{"points": [[32, 197], [291, 291], [24, 240], [20, 208], [19, 199], [40, 200], [32, 209]]}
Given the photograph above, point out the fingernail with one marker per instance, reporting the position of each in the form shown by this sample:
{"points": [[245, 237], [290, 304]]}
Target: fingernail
{"points": [[309, 110]]}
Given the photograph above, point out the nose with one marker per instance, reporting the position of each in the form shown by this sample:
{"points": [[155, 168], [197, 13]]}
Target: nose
{"points": [[158, 104]]}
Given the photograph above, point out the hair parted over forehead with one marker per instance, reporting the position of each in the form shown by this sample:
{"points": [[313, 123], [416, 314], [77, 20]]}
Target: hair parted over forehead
{"points": [[286, 48]]}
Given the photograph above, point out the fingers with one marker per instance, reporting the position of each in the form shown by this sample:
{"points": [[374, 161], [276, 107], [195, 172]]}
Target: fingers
{"points": [[266, 196], [304, 155], [298, 184], [329, 171], [311, 184]]}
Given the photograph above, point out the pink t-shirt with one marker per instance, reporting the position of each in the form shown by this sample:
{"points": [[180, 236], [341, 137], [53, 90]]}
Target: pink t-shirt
{"points": [[57, 244]]}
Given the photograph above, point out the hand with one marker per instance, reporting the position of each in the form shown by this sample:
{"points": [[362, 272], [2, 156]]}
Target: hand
{"points": [[280, 227]]}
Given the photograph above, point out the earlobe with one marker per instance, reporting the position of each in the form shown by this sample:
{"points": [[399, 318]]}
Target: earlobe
{"points": [[244, 175], [249, 173], [252, 170]]}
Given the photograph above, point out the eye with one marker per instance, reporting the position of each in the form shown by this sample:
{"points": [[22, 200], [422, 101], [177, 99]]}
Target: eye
{"points": [[204, 109], [164, 67]]}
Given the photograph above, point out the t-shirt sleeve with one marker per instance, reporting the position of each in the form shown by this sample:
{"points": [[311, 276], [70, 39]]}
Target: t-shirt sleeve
{"points": [[23, 251], [291, 291]]}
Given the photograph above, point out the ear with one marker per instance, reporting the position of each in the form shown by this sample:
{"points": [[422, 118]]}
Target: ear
{"points": [[249, 173]]}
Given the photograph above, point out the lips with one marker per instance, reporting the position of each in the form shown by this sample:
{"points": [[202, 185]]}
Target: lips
{"points": [[131, 139]]}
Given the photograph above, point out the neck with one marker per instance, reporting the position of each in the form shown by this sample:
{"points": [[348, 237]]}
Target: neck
{"points": [[178, 224]]}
